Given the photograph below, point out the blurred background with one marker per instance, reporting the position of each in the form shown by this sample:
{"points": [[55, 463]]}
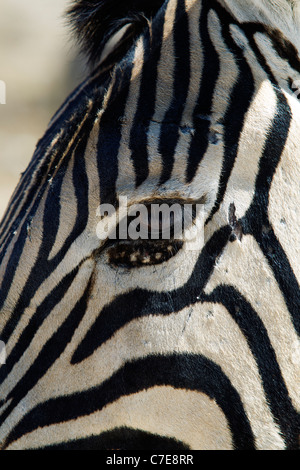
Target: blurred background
{"points": [[40, 65]]}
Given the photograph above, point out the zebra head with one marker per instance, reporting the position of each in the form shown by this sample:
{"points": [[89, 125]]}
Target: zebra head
{"points": [[160, 342]]}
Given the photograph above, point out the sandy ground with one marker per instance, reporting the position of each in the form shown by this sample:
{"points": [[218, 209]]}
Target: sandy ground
{"points": [[40, 65]]}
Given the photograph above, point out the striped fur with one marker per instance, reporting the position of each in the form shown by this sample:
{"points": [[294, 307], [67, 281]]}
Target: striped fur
{"points": [[200, 351]]}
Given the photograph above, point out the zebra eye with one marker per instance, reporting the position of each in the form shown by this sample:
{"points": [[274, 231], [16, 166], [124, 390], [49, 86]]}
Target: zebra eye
{"points": [[153, 236]]}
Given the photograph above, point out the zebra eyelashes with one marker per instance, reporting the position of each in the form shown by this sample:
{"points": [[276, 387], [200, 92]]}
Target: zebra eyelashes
{"points": [[143, 253]]}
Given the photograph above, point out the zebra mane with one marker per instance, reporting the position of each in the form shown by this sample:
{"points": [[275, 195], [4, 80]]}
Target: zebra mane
{"points": [[96, 22]]}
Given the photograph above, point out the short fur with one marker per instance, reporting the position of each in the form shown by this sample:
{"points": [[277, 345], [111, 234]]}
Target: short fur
{"points": [[113, 344]]}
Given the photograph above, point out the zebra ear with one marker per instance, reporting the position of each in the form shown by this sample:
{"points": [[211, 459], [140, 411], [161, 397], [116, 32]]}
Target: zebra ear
{"points": [[107, 28]]}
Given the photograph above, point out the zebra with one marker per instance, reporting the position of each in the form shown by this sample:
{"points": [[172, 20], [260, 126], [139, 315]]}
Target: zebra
{"points": [[142, 344]]}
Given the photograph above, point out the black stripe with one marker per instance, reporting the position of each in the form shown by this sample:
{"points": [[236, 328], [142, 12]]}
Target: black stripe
{"points": [[138, 133], [146, 100], [257, 337], [49, 353], [202, 111], [170, 133], [256, 220], [250, 29], [42, 267], [185, 371], [110, 132], [42, 312], [122, 439], [282, 271], [240, 99]]}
